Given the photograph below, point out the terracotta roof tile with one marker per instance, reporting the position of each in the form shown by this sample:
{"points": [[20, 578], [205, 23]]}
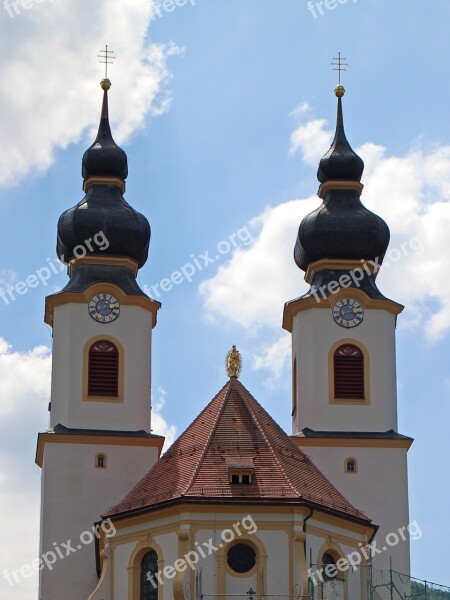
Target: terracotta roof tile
{"points": [[235, 429]]}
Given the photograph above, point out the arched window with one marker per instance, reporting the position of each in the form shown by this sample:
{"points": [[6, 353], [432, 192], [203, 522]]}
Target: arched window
{"points": [[148, 579], [351, 465], [328, 562], [103, 371], [349, 372], [100, 461]]}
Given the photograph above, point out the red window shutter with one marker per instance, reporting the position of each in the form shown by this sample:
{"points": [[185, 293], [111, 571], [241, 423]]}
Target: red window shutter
{"points": [[349, 372], [103, 377]]}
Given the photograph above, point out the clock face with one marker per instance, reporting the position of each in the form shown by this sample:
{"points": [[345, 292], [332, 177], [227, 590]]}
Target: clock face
{"points": [[348, 312], [104, 308]]}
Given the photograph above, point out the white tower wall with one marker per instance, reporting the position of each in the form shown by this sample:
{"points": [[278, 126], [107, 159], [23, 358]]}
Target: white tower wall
{"points": [[314, 335], [73, 329]]}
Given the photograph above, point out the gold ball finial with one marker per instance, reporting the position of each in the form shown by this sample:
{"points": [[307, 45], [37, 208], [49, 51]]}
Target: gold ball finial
{"points": [[105, 84], [233, 362], [339, 91]]}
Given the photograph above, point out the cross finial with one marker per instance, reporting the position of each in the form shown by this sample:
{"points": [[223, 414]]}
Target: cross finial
{"points": [[339, 65], [107, 58]]}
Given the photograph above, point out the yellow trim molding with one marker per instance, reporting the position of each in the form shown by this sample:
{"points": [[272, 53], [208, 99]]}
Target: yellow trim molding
{"points": [[147, 544], [303, 442], [299, 544], [339, 185], [292, 308], [183, 535], [121, 373], [338, 265], [105, 568], [330, 546], [357, 402], [144, 302], [97, 440], [120, 183]]}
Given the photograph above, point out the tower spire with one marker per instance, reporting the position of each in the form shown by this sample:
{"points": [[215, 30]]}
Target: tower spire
{"points": [[342, 228], [340, 162], [104, 171]]}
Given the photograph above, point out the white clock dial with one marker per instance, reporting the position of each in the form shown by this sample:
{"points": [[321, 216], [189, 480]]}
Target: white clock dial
{"points": [[348, 312], [104, 308]]}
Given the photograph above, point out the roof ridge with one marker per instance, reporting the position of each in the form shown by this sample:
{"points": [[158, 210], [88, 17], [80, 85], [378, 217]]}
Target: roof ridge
{"points": [[208, 441], [262, 432]]}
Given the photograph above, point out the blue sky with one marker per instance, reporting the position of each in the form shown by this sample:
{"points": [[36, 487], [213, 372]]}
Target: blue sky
{"points": [[224, 108]]}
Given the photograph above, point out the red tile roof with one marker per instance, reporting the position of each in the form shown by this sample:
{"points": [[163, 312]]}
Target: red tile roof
{"points": [[234, 428]]}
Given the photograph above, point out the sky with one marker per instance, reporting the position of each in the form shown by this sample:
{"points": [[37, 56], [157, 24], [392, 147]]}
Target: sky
{"points": [[224, 108]]}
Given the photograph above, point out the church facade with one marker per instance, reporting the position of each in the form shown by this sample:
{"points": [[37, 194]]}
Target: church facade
{"points": [[236, 507]]}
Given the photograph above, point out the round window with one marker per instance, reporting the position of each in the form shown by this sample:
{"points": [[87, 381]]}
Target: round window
{"points": [[241, 558]]}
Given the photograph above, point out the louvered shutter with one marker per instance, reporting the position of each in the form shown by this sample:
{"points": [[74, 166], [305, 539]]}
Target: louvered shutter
{"points": [[103, 369], [349, 372]]}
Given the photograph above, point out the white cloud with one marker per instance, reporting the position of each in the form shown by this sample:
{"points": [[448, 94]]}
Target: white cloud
{"points": [[25, 391], [412, 194], [302, 109], [312, 140], [159, 424], [19, 523], [273, 357], [24, 382], [50, 95], [252, 287]]}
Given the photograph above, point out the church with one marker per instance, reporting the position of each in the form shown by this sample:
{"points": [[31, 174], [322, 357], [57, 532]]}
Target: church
{"points": [[236, 507]]}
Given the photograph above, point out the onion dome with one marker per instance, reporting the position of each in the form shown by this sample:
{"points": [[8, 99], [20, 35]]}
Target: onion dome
{"points": [[104, 209], [104, 158], [340, 162], [342, 228]]}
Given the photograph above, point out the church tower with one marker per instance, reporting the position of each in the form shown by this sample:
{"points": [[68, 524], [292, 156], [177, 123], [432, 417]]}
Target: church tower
{"points": [[99, 444], [344, 407]]}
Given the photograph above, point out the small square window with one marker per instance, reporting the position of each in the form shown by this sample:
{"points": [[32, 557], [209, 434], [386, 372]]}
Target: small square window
{"points": [[234, 478], [246, 479]]}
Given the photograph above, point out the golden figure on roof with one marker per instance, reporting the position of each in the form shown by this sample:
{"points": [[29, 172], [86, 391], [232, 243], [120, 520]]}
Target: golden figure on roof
{"points": [[233, 362]]}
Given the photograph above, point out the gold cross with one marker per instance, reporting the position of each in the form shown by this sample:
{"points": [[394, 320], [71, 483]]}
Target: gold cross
{"points": [[341, 66], [107, 57]]}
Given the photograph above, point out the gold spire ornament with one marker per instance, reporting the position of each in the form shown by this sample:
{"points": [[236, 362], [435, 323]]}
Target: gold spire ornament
{"points": [[339, 65], [107, 58], [233, 362]]}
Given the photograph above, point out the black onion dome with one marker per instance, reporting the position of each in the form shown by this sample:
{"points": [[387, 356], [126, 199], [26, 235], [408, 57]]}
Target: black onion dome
{"points": [[340, 162], [103, 223], [342, 228], [103, 212], [104, 158]]}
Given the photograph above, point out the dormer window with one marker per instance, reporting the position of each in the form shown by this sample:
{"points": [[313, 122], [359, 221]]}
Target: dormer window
{"points": [[241, 478], [240, 470]]}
